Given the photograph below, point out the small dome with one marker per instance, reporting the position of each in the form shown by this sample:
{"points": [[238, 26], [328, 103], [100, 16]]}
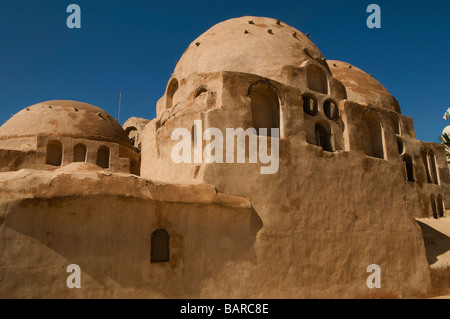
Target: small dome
{"points": [[79, 167], [446, 131], [64, 118], [362, 87], [256, 45]]}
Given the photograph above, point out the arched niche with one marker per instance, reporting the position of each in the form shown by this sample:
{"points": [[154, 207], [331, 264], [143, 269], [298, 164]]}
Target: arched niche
{"points": [[103, 157], [317, 79], [160, 246], [79, 153], [265, 107], [324, 138], [172, 90], [372, 134], [409, 167], [54, 153]]}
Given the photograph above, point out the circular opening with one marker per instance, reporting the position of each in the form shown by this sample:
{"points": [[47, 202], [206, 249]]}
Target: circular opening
{"points": [[400, 145], [309, 105], [330, 109]]}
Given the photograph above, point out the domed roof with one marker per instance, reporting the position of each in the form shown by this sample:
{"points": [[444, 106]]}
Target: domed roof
{"points": [[362, 87], [255, 45], [446, 130], [64, 118]]}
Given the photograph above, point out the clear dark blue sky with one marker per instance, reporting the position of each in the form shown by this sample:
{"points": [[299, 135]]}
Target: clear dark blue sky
{"points": [[133, 45]]}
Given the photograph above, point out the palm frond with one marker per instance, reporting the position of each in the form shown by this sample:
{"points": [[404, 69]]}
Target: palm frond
{"points": [[445, 140]]}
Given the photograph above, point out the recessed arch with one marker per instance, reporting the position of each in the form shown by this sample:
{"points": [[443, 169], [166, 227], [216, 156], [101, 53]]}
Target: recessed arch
{"points": [[409, 167], [432, 165], [372, 134], [424, 156], [133, 134], [79, 153], [172, 90], [54, 153], [400, 145], [317, 79], [440, 206], [433, 205], [265, 107], [267, 83], [129, 129], [395, 122], [200, 90], [103, 155], [324, 138], [160, 246]]}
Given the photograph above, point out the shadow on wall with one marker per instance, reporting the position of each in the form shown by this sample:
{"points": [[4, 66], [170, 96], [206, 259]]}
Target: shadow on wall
{"points": [[112, 246], [256, 224], [436, 243]]}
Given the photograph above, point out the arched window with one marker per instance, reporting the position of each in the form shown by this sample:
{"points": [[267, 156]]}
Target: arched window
{"points": [[433, 205], [309, 105], [400, 146], [103, 157], [424, 155], [265, 107], [432, 163], [160, 246], [54, 153], [172, 89], [409, 168], [133, 134], [323, 138], [331, 110], [372, 135], [79, 153], [317, 79], [440, 206]]}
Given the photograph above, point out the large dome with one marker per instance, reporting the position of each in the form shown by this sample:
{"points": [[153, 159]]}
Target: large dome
{"points": [[255, 45], [362, 87], [64, 118]]}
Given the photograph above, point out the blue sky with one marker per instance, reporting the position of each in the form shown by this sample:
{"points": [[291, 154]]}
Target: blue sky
{"points": [[133, 46]]}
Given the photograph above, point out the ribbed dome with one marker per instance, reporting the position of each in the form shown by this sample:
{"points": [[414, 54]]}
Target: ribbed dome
{"points": [[255, 45], [64, 118], [362, 87]]}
